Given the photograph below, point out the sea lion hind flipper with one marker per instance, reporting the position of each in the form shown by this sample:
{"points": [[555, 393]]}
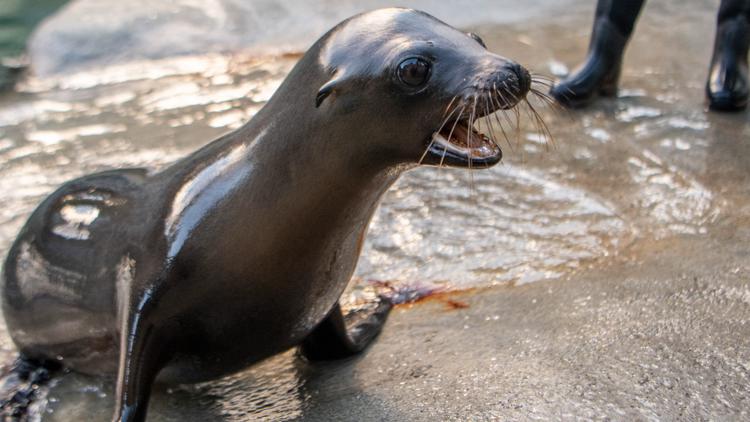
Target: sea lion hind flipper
{"points": [[332, 340], [21, 383]]}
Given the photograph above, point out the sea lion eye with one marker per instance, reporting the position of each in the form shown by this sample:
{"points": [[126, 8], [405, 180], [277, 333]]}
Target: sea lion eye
{"points": [[478, 39], [414, 71]]}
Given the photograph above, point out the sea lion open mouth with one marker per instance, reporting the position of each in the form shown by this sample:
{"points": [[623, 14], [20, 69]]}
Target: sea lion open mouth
{"points": [[460, 143]]}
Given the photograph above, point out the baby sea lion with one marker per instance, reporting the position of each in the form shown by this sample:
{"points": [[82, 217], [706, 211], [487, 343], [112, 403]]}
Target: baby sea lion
{"points": [[242, 249]]}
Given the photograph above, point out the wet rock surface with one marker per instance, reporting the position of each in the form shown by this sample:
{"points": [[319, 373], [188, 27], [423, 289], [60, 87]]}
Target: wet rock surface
{"points": [[608, 266]]}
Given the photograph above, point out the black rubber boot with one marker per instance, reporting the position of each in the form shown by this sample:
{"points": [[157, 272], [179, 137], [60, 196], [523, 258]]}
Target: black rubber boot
{"points": [[727, 85], [599, 74]]}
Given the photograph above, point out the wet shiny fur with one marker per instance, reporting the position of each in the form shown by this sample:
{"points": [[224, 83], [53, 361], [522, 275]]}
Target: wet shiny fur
{"points": [[242, 249]]}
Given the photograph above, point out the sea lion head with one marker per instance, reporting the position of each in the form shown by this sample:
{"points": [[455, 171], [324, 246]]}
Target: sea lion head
{"points": [[413, 86]]}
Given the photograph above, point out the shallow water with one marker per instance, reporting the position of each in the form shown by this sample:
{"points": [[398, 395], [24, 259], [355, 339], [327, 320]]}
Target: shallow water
{"points": [[651, 164]]}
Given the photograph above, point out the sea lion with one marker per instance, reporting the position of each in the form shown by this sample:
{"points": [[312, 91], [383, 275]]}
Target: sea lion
{"points": [[242, 249]]}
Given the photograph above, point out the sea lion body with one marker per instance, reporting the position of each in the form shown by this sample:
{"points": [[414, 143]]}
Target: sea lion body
{"points": [[71, 278], [242, 249]]}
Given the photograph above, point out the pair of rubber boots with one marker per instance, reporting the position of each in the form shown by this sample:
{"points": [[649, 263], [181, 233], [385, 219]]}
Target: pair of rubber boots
{"points": [[726, 88]]}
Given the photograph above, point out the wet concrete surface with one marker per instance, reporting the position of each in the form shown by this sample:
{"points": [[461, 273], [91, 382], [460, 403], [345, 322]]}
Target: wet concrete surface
{"points": [[658, 336], [608, 267], [661, 334]]}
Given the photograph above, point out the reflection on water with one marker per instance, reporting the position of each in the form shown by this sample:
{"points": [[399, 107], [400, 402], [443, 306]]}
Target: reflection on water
{"points": [[277, 393], [507, 224], [650, 164]]}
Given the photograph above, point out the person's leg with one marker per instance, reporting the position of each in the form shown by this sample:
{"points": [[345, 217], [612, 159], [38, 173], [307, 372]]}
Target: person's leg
{"points": [[613, 24], [727, 85]]}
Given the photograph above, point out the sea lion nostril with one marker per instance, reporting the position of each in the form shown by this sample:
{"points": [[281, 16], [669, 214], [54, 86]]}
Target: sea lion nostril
{"points": [[512, 82], [524, 78]]}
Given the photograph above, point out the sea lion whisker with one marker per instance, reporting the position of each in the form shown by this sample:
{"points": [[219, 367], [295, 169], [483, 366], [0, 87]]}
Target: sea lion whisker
{"points": [[504, 113], [495, 103], [519, 139], [557, 109], [502, 130], [450, 135], [530, 115], [542, 79], [516, 127], [540, 124], [498, 111], [487, 118], [495, 113], [448, 117], [485, 135], [489, 114], [540, 75], [544, 99], [550, 102], [508, 91], [497, 97], [502, 98], [449, 105], [432, 140], [517, 112], [470, 132], [542, 95], [545, 81], [470, 126], [542, 82]]}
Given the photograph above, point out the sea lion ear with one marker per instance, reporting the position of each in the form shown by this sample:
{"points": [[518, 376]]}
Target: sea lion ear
{"points": [[325, 91]]}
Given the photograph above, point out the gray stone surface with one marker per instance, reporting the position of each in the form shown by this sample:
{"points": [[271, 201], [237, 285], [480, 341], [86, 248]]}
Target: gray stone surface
{"points": [[661, 335]]}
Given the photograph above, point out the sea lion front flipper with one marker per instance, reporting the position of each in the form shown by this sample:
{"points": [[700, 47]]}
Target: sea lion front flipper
{"points": [[331, 339], [145, 348]]}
